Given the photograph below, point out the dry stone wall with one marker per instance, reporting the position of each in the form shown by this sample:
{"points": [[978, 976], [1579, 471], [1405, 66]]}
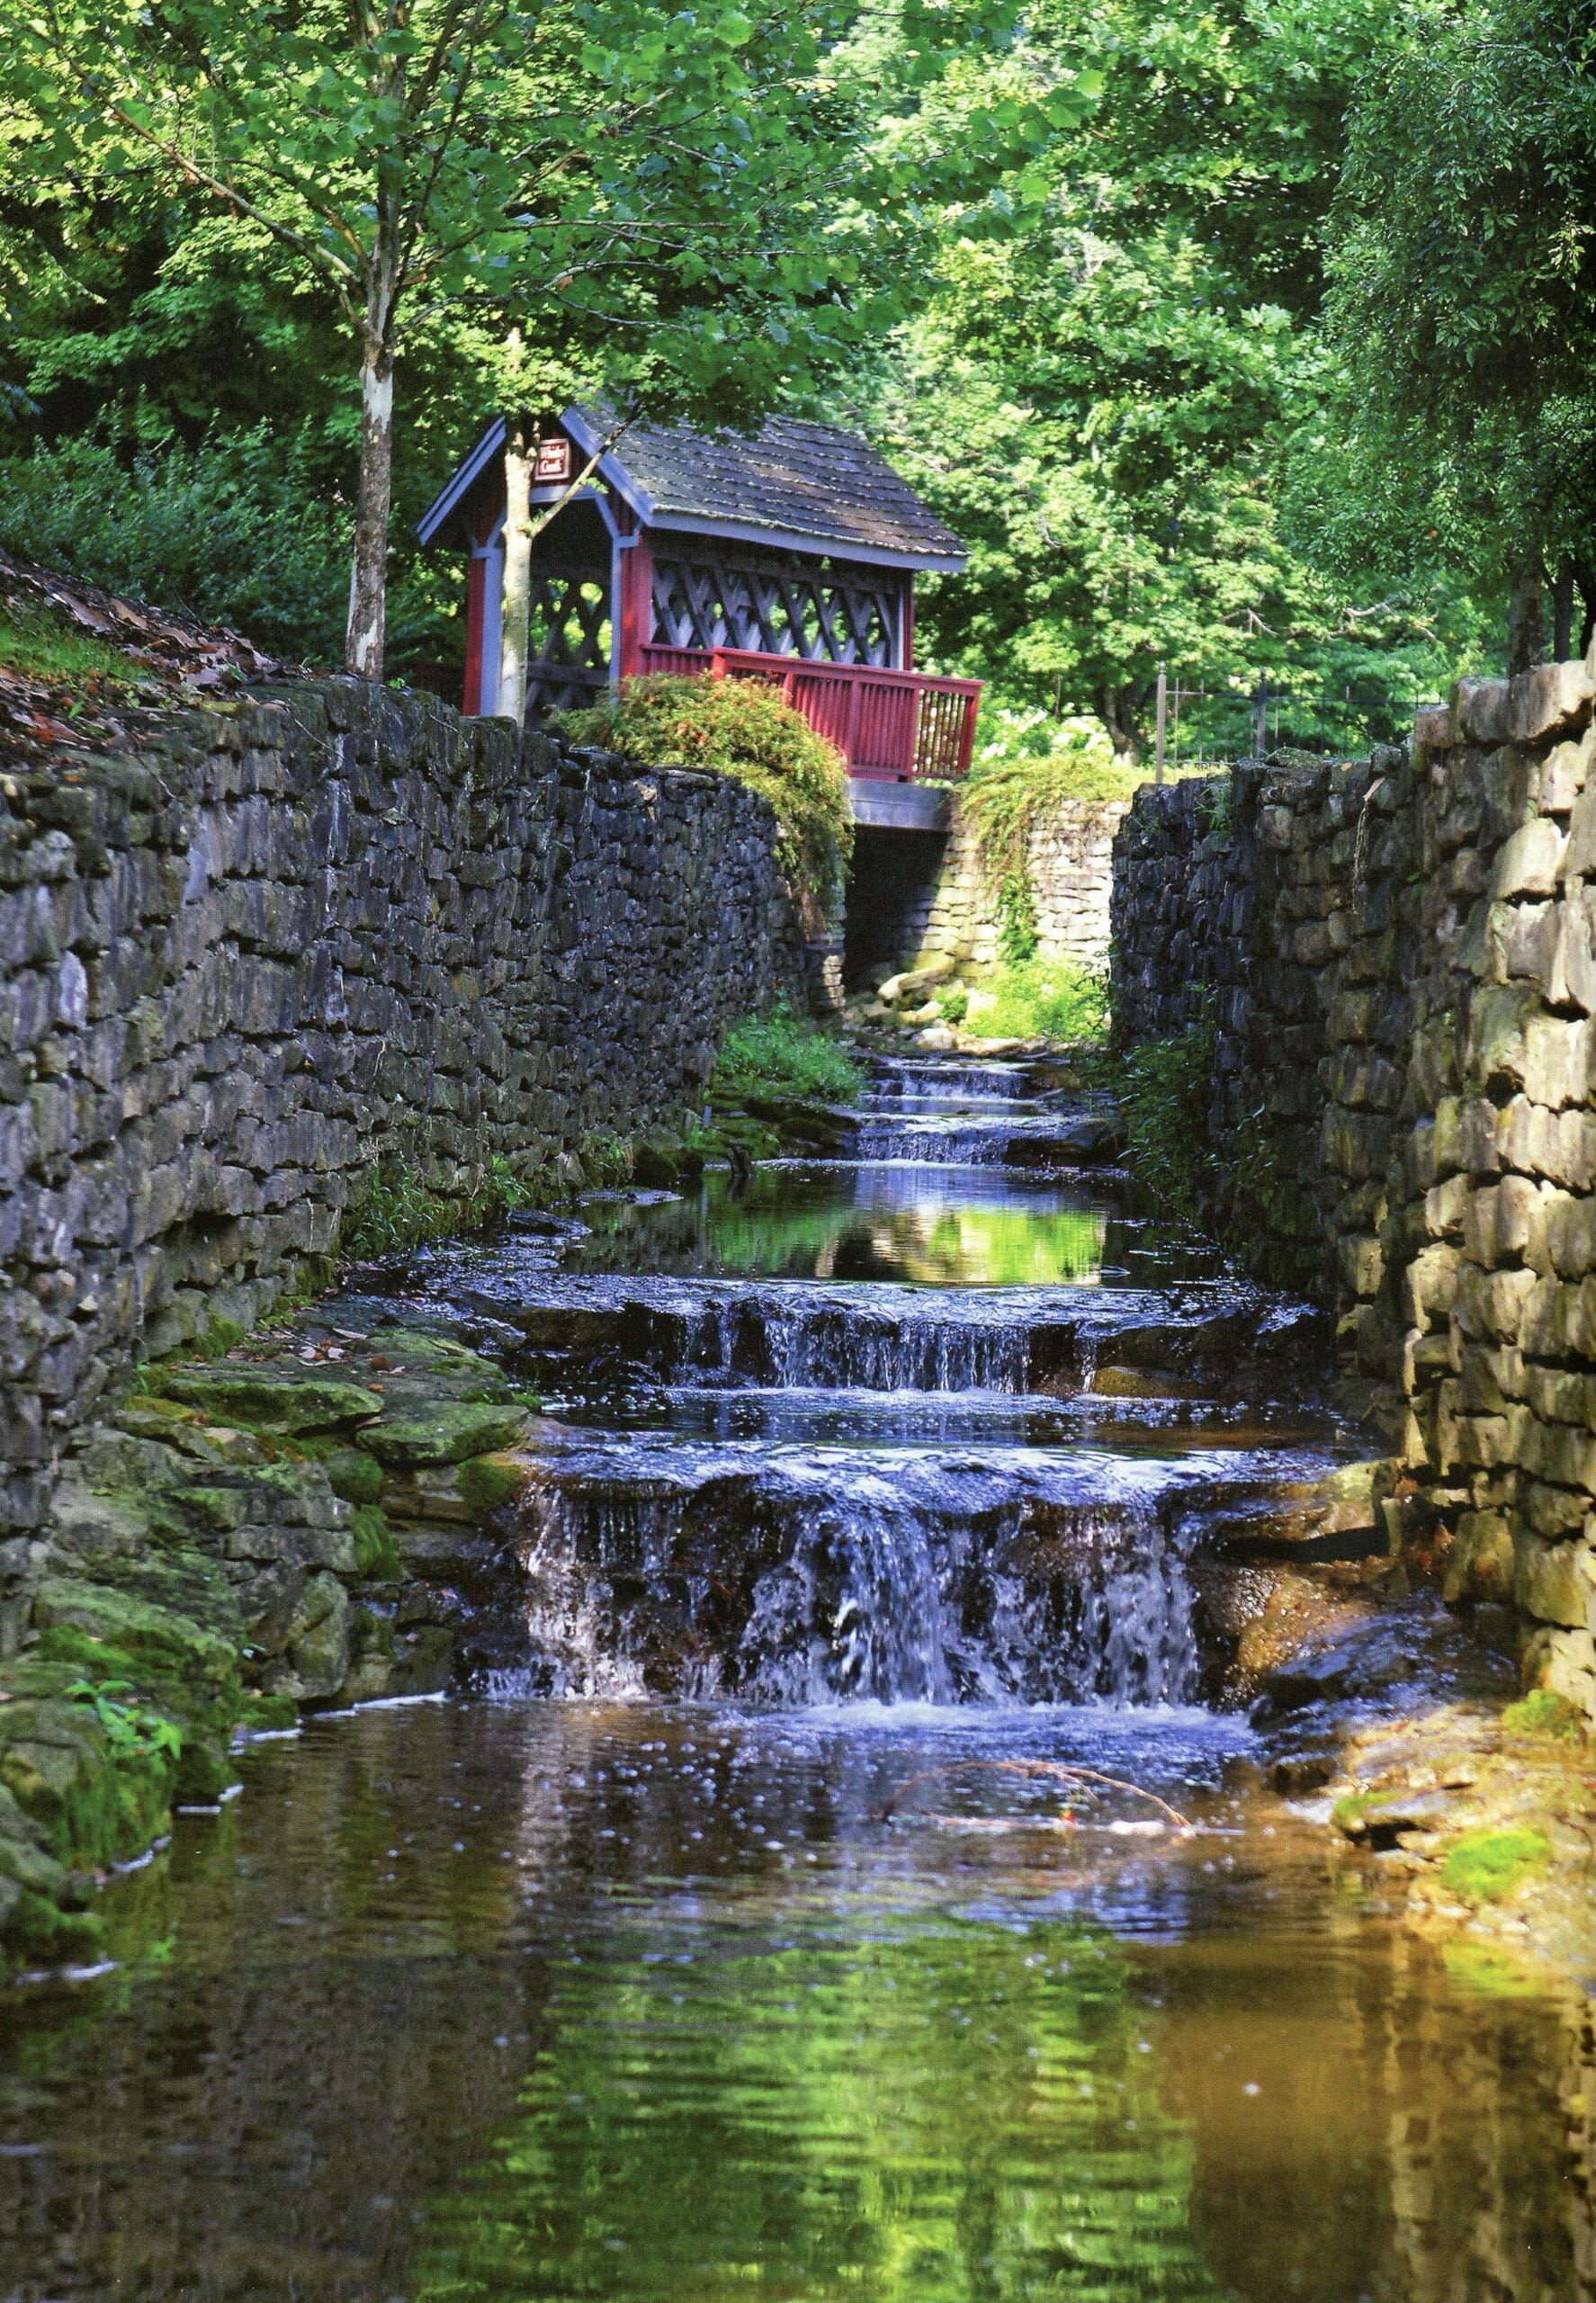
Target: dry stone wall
{"points": [[918, 896], [1399, 958], [293, 939]]}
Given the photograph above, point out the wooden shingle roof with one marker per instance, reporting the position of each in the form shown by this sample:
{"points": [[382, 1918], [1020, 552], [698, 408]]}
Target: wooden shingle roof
{"points": [[793, 478], [796, 486]]}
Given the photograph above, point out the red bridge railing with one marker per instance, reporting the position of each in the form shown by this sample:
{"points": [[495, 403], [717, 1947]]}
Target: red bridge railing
{"points": [[902, 726]]}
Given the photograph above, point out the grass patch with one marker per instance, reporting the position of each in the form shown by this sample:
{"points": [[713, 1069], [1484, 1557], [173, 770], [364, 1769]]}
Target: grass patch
{"points": [[784, 1054], [1544, 1713], [399, 1209], [740, 729], [1037, 999], [40, 645], [1484, 1866]]}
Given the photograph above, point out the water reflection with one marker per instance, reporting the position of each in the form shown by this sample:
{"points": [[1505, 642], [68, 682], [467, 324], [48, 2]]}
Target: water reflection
{"points": [[536, 2002], [948, 1227]]}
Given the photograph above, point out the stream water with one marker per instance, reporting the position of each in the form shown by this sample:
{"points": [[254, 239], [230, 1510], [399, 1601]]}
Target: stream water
{"points": [[729, 1941]]}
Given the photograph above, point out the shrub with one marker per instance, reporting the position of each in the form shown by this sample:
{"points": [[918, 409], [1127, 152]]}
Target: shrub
{"points": [[740, 729], [785, 1054], [248, 529], [1031, 1000], [1165, 1088], [1027, 768]]}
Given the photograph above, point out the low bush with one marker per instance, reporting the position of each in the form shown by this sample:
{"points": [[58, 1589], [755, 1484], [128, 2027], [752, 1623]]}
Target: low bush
{"points": [[1165, 1090], [246, 529], [1030, 999], [740, 729], [784, 1054]]}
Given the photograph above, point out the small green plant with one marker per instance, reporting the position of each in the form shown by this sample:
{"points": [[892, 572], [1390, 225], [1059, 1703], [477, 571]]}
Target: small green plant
{"points": [[785, 1054], [1544, 1713], [1051, 1000], [1484, 1867], [1165, 1088], [740, 729], [132, 1729]]}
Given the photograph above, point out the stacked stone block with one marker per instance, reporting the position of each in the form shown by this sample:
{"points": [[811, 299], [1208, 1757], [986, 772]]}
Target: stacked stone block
{"points": [[291, 940], [1401, 957]]}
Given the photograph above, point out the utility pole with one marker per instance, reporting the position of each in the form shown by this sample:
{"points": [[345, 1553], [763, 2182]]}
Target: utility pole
{"points": [[1157, 770]]}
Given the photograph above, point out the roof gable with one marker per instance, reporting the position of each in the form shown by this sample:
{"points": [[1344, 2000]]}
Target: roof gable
{"points": [[795, 484]]}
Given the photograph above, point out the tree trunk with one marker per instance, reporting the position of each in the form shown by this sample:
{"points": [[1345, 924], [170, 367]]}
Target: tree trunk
{"points": [[1526, 629], [1584, 576], [368, 578], [1120, 709], [520, 457], [1562, 613]]}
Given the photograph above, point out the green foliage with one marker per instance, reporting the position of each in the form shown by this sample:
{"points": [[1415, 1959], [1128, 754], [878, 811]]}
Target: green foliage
{"points": [[131, 1728], [1462, 271], [1484, 1867], [740, 729], [1025, 773], [784, 1054], [376, 1555], [1165, 1090], [1034, 999], [242, 530], [1108, 399], [1543, 1712], [399, 1209]]}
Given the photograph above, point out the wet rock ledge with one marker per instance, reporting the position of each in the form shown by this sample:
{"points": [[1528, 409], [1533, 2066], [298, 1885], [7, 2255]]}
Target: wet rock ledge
{"points": [[306, 1522]]}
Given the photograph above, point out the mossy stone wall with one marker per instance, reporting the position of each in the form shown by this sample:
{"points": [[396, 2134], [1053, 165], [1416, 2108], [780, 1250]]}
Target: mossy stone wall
{"points": [[1400, 958], [286, 939]]}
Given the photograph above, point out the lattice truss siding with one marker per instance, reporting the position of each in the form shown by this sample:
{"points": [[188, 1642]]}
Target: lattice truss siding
{"points": [[796, 610], [569, 637]]}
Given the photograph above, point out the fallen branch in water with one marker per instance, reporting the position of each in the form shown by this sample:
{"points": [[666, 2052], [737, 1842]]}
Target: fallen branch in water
{"points": [[1085, 1778]]}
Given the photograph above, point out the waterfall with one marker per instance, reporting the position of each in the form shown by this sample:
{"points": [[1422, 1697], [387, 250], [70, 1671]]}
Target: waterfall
{"points": [[819, 1582]]}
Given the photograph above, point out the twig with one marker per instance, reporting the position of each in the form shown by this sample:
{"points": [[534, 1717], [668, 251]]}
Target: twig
{"points": [[1087, 1778]]}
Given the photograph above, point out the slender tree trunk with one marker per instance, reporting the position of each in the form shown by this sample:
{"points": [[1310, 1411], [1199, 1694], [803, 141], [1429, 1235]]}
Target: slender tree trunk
{"points": [[1584, 576], [520, 457], [1562, 613], [1526, 627], [368, 578]]}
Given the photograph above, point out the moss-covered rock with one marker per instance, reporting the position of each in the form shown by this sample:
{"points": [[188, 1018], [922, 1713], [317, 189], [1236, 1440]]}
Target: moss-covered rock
{"points": [[488, 1483], [270, 1399], [157, 1637], [1485, 1865], [354, 1475], [446, 1433]]}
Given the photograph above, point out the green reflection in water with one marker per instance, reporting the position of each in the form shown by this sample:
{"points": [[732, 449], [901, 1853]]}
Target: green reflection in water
{"points": [[783, 1230], [927, 2109]]}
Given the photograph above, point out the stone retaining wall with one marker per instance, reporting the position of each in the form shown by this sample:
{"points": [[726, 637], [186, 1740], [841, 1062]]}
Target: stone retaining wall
{"points": [[1399, 960], [932, 899], [293, 939]]}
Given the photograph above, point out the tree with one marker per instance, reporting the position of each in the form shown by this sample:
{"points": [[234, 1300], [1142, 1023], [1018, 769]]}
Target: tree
{"points": [[1463, 278], [359, 138], [1105, 394], [601, 170]]}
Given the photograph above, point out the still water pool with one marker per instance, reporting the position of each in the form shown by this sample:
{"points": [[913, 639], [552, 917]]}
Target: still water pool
{"points": [[648, 2003]]}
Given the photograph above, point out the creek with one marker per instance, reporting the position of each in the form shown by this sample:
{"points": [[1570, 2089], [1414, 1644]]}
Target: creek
{"points": [[738, 1936]]}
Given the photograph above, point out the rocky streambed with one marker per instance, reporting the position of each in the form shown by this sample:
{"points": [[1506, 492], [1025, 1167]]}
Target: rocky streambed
{"points": [[918, 1538]]}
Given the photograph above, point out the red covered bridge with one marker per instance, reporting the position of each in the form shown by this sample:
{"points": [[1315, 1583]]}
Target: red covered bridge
{"points": [[790, 557]]}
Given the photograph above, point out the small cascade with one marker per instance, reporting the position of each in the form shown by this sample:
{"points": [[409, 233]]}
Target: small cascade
{"points": [[821, 1579], [953, 1082], [809, 1347], [815, 1487]]}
